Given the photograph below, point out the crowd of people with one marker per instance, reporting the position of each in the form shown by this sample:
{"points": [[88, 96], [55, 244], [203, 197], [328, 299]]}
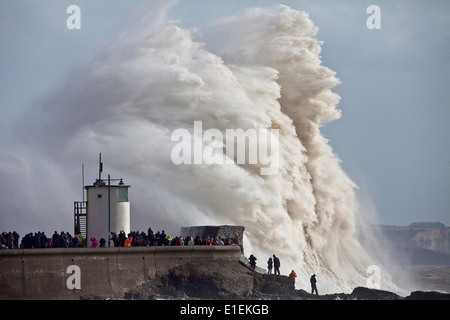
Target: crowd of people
{"points": [[160, 238], [10, 240]]}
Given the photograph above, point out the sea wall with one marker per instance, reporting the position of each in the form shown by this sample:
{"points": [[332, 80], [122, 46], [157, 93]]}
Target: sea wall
{"points": [[76, 273]]}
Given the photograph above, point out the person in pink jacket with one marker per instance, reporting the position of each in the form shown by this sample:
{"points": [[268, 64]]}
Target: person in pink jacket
{"points": [[94, 242]]}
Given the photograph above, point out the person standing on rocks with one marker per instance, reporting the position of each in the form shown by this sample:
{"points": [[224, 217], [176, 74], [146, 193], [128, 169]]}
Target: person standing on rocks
{"points": [[252, 261], [292, 276], [313, 284], [276, 264], [269, 265]]}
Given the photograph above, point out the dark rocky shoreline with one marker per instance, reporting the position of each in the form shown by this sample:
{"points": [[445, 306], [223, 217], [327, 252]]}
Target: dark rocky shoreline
{"points": [[228, 280]]}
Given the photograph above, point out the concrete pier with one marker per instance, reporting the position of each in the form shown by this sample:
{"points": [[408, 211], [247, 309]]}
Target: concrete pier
{"points": [[87, 272]]}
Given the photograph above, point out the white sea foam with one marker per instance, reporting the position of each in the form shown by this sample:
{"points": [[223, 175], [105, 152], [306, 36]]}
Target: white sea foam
{"points": [[260, 69]]}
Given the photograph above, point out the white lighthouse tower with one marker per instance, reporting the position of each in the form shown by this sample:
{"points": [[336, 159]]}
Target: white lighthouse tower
{"points": [[107, 208]]}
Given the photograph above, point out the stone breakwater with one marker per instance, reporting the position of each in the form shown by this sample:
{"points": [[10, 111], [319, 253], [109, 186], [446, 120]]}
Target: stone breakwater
{"points": [[75, 273]]}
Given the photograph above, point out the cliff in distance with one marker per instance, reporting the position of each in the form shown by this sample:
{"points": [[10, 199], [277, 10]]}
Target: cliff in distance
{"points": [[420, 243], [433, 236]]}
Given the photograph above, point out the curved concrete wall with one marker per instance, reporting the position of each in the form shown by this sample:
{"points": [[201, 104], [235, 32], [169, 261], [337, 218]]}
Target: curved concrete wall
{"points": [[86, 272]]}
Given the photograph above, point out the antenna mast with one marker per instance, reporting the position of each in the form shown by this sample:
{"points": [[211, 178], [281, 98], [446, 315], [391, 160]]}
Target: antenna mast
{"points": [[100, 168], [82, 179]]}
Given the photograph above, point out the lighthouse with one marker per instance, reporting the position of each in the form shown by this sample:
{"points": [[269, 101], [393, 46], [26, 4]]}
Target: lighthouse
{"points": [[106, 210]]}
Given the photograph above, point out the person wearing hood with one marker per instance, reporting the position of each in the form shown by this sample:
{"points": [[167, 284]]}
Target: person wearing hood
{"points": [[94, 242], [292, 276]]}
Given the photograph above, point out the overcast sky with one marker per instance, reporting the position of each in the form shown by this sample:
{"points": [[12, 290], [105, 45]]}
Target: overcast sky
{"points": [[393, 137]]}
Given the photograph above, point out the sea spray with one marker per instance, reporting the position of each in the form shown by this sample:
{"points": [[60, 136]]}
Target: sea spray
{"points": [[258, 70]]}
